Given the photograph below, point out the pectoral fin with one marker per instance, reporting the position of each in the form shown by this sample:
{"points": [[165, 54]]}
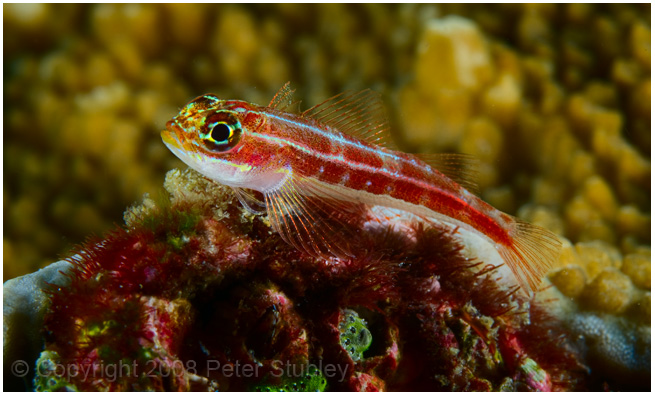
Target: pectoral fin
{"points": [[312, 217]]}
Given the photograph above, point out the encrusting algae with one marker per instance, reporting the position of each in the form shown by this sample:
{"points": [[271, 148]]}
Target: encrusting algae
{"points": [[197, 293], [554, 100]]}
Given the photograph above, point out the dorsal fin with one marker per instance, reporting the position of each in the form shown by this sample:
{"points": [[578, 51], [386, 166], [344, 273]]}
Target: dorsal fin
{"points": [[283, 99], [359, 114], [463, 169]]}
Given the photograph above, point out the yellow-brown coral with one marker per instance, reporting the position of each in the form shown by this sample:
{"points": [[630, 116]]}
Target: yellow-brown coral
{"points": [[95, 103]]}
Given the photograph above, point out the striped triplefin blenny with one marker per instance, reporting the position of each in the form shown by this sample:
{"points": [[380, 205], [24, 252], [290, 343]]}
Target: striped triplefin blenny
{"points": [[311, 165]]}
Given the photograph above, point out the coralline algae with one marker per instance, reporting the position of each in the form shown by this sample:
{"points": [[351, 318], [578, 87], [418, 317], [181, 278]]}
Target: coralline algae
{"points": [[198, 294]]}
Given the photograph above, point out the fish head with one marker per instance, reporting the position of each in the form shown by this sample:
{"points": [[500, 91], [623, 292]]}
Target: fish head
{"points": [[215, 137]]}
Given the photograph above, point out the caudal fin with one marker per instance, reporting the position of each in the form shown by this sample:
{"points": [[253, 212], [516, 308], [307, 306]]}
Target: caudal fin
{"points": [[532, 254]]}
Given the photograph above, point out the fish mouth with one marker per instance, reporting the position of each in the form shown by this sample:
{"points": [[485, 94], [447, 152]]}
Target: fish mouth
{"points": [[170, 136]]}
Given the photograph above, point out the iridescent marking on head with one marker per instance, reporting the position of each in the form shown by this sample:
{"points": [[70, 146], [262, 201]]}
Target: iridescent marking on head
{"points": [[198, 104]]}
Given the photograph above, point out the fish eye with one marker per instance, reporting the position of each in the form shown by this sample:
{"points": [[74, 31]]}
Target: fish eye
{"points": [[222, 132]]}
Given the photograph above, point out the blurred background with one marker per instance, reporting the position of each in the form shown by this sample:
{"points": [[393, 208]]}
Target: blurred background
{"points": [[553, 99]]}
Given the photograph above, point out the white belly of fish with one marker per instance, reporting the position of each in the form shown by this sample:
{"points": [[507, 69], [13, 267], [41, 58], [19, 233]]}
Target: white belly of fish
{"points": [[475, 245]]}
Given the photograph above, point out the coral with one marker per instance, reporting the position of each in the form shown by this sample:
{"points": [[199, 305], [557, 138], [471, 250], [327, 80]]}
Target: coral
{"points": [[600, 278], [451, 64], [24, 306], [609, 309], [619, 351], [569, 280], [609, 292], [637, 267], [560, 99], [195, 293]]}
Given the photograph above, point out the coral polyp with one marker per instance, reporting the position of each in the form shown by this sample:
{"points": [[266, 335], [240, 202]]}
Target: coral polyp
{"points": [[195, 293]]}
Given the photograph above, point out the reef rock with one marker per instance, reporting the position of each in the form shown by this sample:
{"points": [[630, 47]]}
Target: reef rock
{"points": [[195, 293]]}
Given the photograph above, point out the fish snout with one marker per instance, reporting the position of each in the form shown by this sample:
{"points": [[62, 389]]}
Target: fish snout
{"points": [[170, 135]]}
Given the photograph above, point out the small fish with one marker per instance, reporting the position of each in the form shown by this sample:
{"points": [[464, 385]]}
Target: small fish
{"points": [[337, 154]]}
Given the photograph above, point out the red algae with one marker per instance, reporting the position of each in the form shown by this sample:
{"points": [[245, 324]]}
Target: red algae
{"points": [[197, 294]]}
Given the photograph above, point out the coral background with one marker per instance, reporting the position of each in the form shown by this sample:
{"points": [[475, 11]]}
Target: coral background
{"points": [[554, 99]]}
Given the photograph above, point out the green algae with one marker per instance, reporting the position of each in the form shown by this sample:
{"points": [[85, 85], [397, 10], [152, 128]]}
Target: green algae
{"points": [[355, 337], [312, 381], [48, 378]]}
